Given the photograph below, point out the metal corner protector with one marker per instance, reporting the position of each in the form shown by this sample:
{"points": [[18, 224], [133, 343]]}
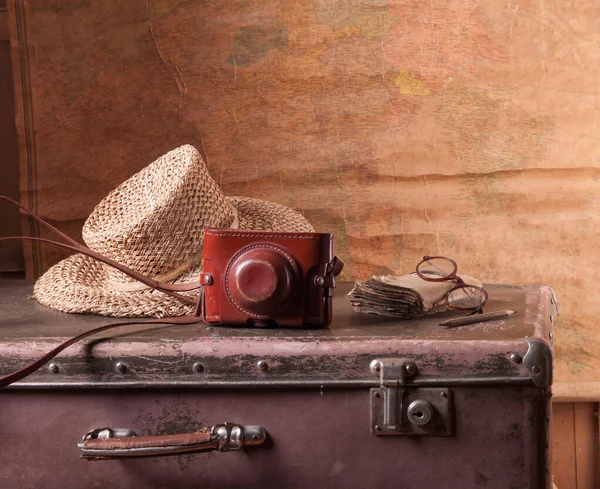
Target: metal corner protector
{"points": [[538, 361]]}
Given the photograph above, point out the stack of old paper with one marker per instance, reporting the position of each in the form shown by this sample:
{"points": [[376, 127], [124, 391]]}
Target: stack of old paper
{"points": [[402, 296]]}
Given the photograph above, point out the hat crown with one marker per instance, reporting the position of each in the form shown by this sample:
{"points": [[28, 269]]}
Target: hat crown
{"points": [[154, 222]]}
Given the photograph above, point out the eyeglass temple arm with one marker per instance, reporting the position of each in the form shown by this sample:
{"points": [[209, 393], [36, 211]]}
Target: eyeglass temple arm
{"points": [[477, 310]]}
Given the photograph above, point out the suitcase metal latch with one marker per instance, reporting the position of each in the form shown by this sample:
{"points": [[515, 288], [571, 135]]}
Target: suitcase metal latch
{"points": [[400, 409]]}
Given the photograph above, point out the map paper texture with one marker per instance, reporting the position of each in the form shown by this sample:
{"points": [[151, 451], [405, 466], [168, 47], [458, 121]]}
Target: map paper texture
{"points": [[461, 128]]}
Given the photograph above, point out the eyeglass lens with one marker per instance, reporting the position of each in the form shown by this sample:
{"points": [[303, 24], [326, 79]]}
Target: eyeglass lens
{"points": [[467, 297], [436, 268]]}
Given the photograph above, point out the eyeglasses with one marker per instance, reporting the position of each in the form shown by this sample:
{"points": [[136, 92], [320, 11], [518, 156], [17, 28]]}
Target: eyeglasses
{"points": [[462, 296]]}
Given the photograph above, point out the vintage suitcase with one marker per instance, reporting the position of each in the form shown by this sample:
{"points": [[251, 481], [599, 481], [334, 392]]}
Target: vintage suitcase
{"points": [[368, 403]]}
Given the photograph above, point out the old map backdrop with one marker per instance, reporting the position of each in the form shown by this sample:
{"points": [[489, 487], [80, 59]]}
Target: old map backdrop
{"points": [[467, 128]]}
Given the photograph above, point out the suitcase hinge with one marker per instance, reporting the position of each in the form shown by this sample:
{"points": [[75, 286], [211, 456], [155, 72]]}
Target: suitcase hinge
{"points": [[400, 409]]}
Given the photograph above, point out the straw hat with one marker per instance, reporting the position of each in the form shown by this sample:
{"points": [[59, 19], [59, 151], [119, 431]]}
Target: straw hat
{"points": [[154, 224]]}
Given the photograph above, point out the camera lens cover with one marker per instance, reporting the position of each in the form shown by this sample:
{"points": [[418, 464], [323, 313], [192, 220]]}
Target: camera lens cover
{"points": [[260, 280]]}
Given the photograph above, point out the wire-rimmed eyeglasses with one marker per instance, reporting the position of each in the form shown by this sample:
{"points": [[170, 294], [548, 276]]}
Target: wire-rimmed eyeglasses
{"points": [[462, 296]]}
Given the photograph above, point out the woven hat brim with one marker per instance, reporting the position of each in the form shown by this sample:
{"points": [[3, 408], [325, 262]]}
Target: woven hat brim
{"points": [[78, 284]]}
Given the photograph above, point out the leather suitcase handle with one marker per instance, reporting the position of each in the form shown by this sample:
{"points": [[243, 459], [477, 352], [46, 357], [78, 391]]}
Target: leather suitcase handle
{"points": [[108, 443]]}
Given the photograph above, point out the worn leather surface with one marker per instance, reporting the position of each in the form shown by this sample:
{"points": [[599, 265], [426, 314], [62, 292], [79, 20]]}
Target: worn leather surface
{"points": [[176, 439], [309, 304], [318, 438]]}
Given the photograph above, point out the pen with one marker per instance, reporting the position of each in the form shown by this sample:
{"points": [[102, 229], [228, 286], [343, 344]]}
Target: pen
{"points": [[478, 318]]}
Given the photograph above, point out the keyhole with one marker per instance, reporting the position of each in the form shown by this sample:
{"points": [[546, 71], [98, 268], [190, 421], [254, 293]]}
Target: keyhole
{"points": [[420, 412]]}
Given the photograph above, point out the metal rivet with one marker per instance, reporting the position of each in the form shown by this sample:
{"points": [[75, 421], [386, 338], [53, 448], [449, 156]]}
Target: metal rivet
{"points": [[207, 279], [410, 368], [378, 428], [121, 367], [444, 394], [377, 394], [262, 365], [320, 281], [536, 369], [53, 368], [515, 357], [198, 367]]}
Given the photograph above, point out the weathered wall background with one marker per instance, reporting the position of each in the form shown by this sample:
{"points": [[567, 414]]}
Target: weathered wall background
{"points": [[465, 128], [11, 254]]}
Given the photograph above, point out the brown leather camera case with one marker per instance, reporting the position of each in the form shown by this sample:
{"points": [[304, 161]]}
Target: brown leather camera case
{"points": [[266, 278]]}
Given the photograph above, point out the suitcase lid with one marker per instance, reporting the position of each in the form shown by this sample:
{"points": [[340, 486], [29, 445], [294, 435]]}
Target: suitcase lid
{"points": [[515, 350]]}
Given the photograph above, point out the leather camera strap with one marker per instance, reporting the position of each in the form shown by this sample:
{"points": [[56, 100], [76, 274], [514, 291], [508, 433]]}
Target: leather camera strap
{"points": [[32, 367], [166, 288]]}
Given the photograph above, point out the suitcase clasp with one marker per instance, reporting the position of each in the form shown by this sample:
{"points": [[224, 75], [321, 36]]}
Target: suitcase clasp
{"points": [[400, 409]]}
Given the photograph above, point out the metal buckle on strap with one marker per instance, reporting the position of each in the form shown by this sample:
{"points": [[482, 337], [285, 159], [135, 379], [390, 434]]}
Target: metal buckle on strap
{"points": [[327, 272]]}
